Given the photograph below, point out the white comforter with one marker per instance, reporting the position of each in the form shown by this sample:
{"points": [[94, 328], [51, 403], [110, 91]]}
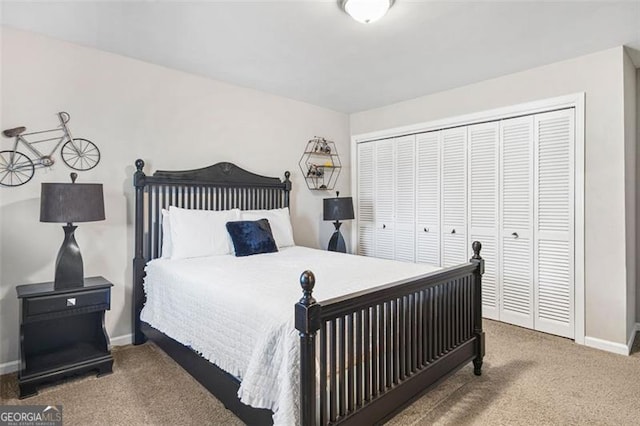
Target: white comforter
{"points": [[238, 311]]}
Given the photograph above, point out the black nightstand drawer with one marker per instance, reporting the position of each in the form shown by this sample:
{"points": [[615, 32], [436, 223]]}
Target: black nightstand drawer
{"points": [[67, 302]]}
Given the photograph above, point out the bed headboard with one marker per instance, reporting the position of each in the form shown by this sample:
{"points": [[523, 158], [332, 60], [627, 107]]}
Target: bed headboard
{"points": [[219, 187]]}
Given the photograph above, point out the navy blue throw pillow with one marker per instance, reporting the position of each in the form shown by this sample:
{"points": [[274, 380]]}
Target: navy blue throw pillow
{"points": [[251, 237]]}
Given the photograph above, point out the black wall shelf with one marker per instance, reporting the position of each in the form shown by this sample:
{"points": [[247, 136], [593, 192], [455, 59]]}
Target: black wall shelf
{"points": [[320, 164]]}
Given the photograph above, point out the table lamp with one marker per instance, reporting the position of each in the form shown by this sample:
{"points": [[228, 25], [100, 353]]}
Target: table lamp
{"points": [[69, 203], [337, 209]]}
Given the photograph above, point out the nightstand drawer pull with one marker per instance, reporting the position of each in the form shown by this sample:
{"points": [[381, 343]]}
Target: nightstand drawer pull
{"points": [[71, 301]]}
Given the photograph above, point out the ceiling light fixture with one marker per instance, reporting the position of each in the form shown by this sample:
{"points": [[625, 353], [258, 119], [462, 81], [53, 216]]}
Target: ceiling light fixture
{"points": [[366, 11]]}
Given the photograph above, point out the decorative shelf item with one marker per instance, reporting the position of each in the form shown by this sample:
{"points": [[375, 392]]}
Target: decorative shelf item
{"points": [[320, 164]]}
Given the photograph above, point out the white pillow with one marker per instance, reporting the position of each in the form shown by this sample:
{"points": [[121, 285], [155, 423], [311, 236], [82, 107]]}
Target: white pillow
{"points": [[280, 222], [166, 235], [199, 233]]}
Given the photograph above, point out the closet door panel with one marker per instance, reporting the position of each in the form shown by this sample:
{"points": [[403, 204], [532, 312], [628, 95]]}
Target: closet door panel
{"points": [[428, 245], [428, 204], [366, 239], [384, 181], [454, 196], [404, 236], [490, 289], [404, 179], [517, 289], [554, 307], [454, 248], [554, 210], [404, 198], [454, 183], [366, 199], [483, 207], [384, 199], [516, 233], [384, 241]]}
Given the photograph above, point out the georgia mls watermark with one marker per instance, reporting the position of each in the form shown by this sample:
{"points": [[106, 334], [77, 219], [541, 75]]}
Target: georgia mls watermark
{"points": [[30, 415]]}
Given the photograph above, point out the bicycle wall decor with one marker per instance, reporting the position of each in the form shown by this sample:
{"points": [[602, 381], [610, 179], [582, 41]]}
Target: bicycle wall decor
{"points": [[17, 168]]}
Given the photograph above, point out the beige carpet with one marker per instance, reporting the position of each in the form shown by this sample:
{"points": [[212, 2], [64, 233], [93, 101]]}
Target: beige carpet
{"points": [[528, 378]]}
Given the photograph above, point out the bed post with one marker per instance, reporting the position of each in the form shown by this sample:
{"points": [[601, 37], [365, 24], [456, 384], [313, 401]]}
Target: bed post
{"points": [[307, 323], [138, 260], [477, 320], [287, 187]]}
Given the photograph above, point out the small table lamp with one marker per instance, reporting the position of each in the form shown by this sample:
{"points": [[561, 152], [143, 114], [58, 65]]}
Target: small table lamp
{"points": [[68, 203], [338, 209]]}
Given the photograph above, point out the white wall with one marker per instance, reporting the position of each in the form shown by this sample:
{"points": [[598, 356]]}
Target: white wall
{"points": [[630, 118], [600, 75], [132, 109]]}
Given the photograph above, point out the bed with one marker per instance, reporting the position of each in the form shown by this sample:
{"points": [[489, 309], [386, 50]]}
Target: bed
{"points": [[360, 355]]}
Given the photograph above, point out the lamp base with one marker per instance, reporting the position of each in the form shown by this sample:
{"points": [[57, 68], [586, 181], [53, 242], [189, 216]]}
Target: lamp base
{"points": [[69, 268], [336, 243]]}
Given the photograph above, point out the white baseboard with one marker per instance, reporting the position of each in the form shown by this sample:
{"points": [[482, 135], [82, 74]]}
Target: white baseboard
{"points": [[605, 345], [13, 366], [9, 367], [125, 339]]}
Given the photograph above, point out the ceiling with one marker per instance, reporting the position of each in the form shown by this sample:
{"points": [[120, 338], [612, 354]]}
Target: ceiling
{"points": [[314, 52]]}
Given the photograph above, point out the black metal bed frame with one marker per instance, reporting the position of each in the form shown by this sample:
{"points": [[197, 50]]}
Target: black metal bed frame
{"points": [[363, 356]]}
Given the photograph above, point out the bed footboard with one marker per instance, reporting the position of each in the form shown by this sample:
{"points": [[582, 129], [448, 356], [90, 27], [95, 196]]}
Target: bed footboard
{"points": [[367, 355]]}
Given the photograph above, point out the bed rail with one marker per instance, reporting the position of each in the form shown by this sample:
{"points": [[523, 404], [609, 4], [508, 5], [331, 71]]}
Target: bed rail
{"points": [[412, 333]]}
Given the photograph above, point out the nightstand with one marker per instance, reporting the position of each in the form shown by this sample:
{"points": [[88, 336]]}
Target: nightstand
{"points": [[62, 332]]}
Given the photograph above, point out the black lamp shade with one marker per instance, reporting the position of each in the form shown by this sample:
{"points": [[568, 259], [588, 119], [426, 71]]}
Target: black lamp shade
{"points": [[339, 208], [71, 202], [68, 203]]}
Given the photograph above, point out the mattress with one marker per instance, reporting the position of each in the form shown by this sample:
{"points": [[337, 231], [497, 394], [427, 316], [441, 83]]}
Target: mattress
{"points": [[237, 312]]}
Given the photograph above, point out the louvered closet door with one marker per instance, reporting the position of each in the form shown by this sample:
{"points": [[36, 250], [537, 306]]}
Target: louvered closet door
{"points": [[384, 199], [454, 196], [428, 197], [553, 215], [483, 207], [516, 233], [404, 193], [366, 199]]}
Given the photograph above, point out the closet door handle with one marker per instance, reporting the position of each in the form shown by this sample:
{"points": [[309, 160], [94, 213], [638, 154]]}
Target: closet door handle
{"points": [[384, 226], [515, 235], [426, 229], [453, 231]]}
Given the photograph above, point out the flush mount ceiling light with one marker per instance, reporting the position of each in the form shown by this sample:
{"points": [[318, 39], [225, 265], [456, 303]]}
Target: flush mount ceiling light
{"points": [[366, 11]]}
